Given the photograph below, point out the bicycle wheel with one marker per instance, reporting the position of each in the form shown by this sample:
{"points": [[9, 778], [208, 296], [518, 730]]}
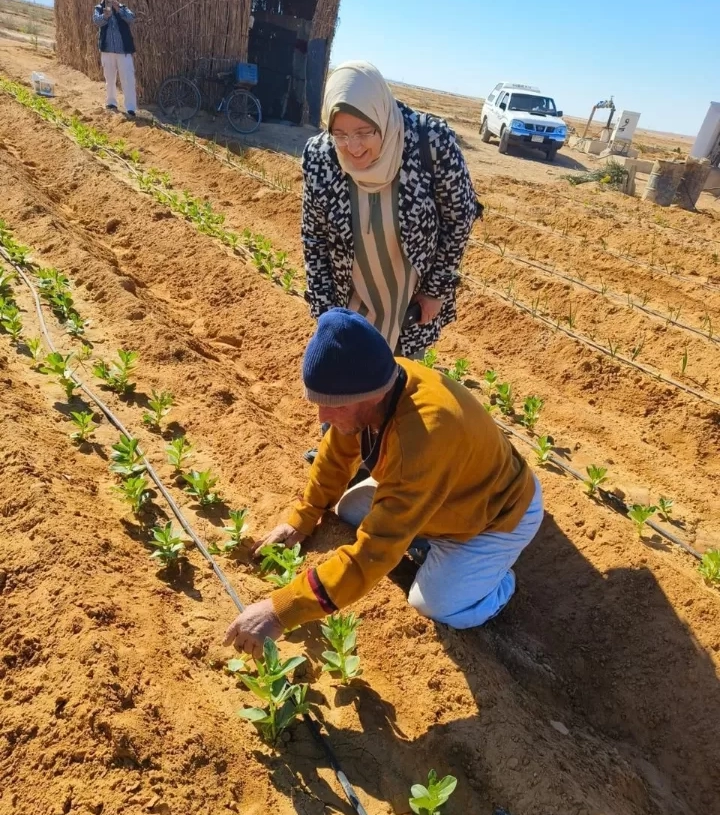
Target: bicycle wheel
{"points": [[179, 98], [243, 111]]}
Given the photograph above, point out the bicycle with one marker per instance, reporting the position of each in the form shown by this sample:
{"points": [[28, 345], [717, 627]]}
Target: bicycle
{"points": [[180, 98]]}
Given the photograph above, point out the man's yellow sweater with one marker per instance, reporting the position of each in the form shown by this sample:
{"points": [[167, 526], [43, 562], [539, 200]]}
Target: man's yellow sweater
{"points": [[444, 470]]}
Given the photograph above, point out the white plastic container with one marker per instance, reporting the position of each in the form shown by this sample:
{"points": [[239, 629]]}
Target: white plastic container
{"points": [[42, 85]]}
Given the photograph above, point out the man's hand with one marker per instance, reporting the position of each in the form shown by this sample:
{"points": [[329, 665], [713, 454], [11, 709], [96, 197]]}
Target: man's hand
{"points": [[107, 11], [249, 630], [429, 306], [281, 534]]}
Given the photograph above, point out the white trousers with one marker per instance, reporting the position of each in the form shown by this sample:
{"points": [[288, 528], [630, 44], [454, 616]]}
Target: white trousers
{"points": [[460, 584], [114, 64]]}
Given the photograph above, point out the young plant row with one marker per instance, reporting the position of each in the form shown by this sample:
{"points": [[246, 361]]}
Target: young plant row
{"points": [[501, 397], [563, 233], [671, 316], [613, 349], [280, 701], [240, 161], [500, 394], [85, 135], [603, 208], [272, 264]]}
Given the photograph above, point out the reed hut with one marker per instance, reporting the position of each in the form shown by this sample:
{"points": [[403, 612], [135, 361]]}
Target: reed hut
{"points": [[289, 41]]}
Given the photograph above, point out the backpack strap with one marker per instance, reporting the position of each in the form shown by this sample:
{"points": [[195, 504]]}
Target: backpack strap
{"points": [[425, 154], [427, 161]]}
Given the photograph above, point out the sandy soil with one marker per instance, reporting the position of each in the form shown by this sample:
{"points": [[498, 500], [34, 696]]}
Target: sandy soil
{"points": [[27, 22], [113, 699]]}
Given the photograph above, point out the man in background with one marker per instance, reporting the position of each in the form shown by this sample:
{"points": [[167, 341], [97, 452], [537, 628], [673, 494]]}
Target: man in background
{"points": [[116, 51]]}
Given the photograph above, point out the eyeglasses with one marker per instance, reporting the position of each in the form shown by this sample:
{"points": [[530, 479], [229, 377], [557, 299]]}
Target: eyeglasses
{"points": [[361, 137]]}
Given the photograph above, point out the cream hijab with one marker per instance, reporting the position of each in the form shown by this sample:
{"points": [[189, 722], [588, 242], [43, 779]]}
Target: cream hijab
{"points": [[361, 86]]}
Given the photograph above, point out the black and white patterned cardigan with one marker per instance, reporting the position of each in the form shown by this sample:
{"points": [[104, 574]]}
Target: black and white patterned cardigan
{"points": [[435, 221]]}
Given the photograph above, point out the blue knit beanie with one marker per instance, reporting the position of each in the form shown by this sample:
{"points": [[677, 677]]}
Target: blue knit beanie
{"points": [[347, 361]]}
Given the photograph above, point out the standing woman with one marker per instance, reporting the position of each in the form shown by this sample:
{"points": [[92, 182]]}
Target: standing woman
{"points": [[384, 228]]}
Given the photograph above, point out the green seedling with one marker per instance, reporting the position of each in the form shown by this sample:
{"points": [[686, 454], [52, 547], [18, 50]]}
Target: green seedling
{"points": [[84, 354], [159, 404], [459, 370], [491, 380], [58, 365], [85, 426], [710, 567], [684, 362], [544, 451], [117, 375], [7, 277], [430, 358], [596, 477], [134, 491], [11, 322], [127, 460], [284, 701], [613, 347], [287, 279], [428, 800], [639, 514], [168, 546], [280, 564], [237, 530], [17, 253], [635, 353], [340, 630], [665, 506], [51, 281], [504, 398], [571, 318], [75, 326], [178, 452], [61, 303], [200, 485], [35, 347], [531, 412], [707, 324]]}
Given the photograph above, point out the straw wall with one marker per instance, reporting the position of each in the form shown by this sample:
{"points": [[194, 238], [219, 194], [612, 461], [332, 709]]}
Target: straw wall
{"points": [[168, 37]]}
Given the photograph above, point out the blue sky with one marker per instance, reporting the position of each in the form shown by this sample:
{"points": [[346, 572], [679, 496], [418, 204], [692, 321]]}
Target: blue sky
{"points": [[661, 58]]}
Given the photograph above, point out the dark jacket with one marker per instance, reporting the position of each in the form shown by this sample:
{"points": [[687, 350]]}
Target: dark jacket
{"points": [[435, 222], [123, 27]]}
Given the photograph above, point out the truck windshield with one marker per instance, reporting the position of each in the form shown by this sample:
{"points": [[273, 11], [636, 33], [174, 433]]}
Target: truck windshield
{"points": [[532, 104]]}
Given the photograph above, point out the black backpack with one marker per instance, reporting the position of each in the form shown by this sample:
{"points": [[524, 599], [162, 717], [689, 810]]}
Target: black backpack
{"points": [[427, 162]]}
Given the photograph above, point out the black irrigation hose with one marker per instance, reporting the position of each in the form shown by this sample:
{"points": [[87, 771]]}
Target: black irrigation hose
{"points": [[628, 258], [702, 395], [609, 498], [322, 740], [554, 272]]}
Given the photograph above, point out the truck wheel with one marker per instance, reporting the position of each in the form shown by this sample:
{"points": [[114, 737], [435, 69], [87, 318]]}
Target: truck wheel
{"points": [[484, 132], [551, 153], [504, 140]]}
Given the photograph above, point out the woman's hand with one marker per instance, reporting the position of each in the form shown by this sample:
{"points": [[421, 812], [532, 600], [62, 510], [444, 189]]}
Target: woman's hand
{"points": [[429, 306]]}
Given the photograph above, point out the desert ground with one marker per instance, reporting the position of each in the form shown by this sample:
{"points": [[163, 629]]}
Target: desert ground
{"points": [[594, 693]]}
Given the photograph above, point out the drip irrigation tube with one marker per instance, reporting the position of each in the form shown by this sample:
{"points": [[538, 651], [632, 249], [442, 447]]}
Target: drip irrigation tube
{"points": [[702, 395], [609, 498], [629, 258], [576, 281], [323, 741]]}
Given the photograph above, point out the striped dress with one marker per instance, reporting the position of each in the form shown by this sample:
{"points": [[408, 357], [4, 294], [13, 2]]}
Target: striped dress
{"points": [[383, 278]]}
